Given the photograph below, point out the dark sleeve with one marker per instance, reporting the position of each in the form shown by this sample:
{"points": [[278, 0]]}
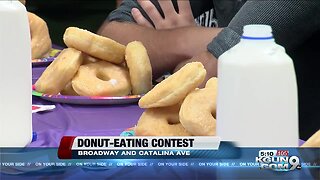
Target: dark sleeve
{"points": [[123, 13], [292, 22]]}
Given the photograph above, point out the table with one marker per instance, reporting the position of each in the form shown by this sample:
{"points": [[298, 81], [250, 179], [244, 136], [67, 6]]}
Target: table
{"points": [[76, 120], [73, 120]]}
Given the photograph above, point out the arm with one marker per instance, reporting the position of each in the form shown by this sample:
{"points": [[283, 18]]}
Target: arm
{"points": [[293, 22], [166, 48]]}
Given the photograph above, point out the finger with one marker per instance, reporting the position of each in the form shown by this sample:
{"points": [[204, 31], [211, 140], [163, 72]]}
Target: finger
{"points": [[139, 18], [167, 7], [151, 11], [184, 7]]}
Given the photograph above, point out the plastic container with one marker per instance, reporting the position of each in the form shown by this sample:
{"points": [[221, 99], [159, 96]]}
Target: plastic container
{"points": [[15, 75], [257, 92]]}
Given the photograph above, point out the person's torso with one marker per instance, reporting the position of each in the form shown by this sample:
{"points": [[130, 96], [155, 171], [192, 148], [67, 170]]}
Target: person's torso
{"points": [[213, 13]]}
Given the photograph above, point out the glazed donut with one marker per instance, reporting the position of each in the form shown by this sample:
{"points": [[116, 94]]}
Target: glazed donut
{"points": [[198, 110], [87, 59], [59, 72], [212, 83], [175, 88], [40, 38], [102, 79], [313, 141], [161, 122], [94, 45], [68, 90], [138, 62]]}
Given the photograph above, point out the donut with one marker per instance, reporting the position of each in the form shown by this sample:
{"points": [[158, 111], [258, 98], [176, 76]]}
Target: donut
{"points": [[68, 90], [161, 122], [102, 79], [139, 66], [313, 141], [198, 110], [87, 59], [59, 72], [212, 82], [175, 88], [94, 45], [40, 38]]}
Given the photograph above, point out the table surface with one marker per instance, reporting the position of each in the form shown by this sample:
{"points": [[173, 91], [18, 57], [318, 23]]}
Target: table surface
{"points": [[84, 120]]}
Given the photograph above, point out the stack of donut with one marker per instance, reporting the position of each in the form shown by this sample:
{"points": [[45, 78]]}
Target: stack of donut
{"points": [[40, 38], [94, 65], [176, 107]]}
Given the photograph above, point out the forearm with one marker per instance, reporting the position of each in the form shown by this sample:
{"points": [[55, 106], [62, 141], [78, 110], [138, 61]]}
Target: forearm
{"points": [[183, 43], [194, 40], [160, 49], [166, 48], [125, 32]]}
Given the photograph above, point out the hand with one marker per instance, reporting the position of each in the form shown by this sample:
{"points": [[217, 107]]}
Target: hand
{"points": [[209, 62], [171, 20]]}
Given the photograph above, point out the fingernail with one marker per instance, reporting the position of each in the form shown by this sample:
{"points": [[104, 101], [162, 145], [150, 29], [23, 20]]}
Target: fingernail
{"points": [[134, 10]]}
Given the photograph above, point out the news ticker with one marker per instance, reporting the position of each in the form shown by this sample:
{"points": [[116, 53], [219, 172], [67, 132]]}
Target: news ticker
{"points": [[147, 163], [226, 162], [229, 162], [104, 147], [127, 151], [227, 157]]}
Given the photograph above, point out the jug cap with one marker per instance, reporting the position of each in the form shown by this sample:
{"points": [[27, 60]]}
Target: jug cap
{"points": [[257, 31]]}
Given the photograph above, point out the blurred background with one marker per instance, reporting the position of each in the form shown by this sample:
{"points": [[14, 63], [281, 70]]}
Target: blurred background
{"points": [[86, 14]]}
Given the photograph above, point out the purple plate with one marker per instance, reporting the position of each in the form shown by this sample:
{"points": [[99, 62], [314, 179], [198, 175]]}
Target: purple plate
{"points": [[47, 60], [88, 100]]}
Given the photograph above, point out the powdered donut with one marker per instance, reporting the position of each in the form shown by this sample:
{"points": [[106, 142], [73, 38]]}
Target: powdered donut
{"points": [[175, 88], [198, 110], [313, 141], [101, 79], [161, 122], [139, 67], [59, 72], [94, 45], [40, 38]]}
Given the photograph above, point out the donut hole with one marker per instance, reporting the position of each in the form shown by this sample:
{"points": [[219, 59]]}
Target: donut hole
{"points": [[102, 77]]}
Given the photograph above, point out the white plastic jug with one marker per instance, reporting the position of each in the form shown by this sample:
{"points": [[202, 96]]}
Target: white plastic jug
{"points": [[257, 92], [15, 75]]}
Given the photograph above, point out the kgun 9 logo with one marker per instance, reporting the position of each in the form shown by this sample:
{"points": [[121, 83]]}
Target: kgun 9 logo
{"points": [[279, 163]]}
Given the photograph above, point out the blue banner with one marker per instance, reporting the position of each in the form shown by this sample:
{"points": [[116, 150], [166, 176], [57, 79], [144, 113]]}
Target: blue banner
{"points": [[226, 163]]}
